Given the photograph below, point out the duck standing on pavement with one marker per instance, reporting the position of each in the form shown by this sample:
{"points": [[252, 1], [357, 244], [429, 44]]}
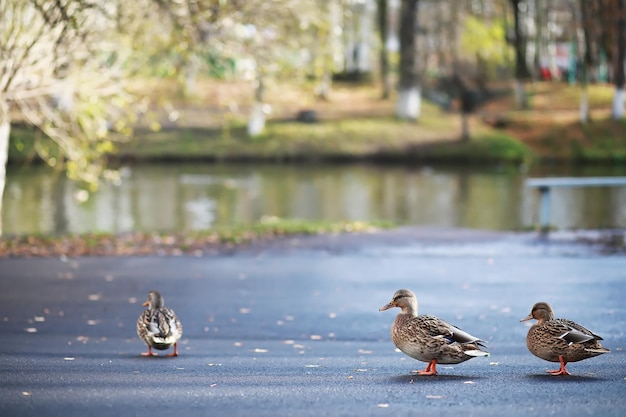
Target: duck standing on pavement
{"points": [[159, 326], [428, 338], [560, 340]]}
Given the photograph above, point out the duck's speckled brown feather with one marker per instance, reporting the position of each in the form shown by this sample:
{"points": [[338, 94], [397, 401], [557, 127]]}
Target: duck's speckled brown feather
{"points": [[158, 326], [560, 340], [428, 338], [548, 341]]}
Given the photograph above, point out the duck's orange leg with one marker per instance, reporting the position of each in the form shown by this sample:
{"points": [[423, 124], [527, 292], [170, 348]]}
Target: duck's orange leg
{"points": [[431, 369], [561, 370], [175, 353], [149, 352]]}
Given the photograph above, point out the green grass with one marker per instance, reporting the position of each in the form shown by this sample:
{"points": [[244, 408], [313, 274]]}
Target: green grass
{"points": [[433, 136], [483, 147], [350, 138], [104, 244], [565, 96], [347, 135]]}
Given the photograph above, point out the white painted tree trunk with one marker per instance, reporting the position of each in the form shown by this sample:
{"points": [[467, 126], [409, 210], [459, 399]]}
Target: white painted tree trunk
{"points": [[520, 94], [465, 134], [191, 75], [409, 103], [584, 106], [618, 104], [256, 124], [5, 129]]}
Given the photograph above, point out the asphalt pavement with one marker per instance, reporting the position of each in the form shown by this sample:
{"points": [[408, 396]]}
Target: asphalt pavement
{"points": [[293, 328]]}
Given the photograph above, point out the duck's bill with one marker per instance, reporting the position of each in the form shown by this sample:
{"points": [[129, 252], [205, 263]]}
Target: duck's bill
{"points": [[386, 307], [146, 304], [529, 317]]}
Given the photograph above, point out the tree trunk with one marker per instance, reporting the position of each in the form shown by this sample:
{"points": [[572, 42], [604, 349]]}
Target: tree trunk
{"points": [[585, 57], [5, 129], [383, 29], [539, 26], [618, 99], [191, 75], [256, 123], [521, 69], [584, 104], [324, 49], [409, 99], [465, 133]]}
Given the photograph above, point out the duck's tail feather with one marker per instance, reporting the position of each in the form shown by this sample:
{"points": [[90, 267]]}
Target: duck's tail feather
{"points": [[476, 353], [598, 350]]}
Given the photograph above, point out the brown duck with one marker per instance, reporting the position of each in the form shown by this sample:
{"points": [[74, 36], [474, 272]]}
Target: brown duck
{"points": [[159, 326], [428, 338], [560, 340]]}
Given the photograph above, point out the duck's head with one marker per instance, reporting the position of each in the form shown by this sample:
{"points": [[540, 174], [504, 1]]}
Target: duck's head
{"points": [[541, 312], [403, 299], [154, 301]]}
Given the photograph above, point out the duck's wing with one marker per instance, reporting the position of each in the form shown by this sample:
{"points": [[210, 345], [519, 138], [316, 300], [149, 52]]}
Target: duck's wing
{"points": [[437, 327], [573, 332], [167, 322], [143, 324], [176, 323], [462, 336]]}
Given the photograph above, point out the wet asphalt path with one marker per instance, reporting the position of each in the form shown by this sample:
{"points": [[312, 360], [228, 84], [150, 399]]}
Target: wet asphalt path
{"points": [[285, 331]]}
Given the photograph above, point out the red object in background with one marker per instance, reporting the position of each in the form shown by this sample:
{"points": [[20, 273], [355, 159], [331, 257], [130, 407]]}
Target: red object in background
{"points": [[546, 75]]}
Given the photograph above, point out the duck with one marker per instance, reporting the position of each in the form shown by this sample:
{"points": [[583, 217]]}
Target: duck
{"points": [[428, 338], [560, 340], [159, 326]]}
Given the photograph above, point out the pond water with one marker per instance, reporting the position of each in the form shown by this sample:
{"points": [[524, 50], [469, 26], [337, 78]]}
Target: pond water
{"points": [[175, 197]]}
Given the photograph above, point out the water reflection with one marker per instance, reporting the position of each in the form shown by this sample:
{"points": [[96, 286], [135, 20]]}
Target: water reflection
{"points": [[194, 197]]}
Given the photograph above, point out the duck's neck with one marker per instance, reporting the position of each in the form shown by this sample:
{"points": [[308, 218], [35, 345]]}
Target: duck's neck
{"points": [[409, 310]]}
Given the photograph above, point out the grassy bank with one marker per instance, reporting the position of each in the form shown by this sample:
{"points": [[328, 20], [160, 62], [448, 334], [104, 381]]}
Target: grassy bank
{"points": [[433, 139], [194, 243], [551, 126], [354, 124], [382, 139]]}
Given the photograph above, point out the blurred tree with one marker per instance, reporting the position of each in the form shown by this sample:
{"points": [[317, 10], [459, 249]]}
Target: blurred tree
{"points": [[273, 37], [485, 42], [383, 31], [320, 42], [587, 58], [263, 39], [620, 39], [62, 71], [519, 42], [409, 95]]}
